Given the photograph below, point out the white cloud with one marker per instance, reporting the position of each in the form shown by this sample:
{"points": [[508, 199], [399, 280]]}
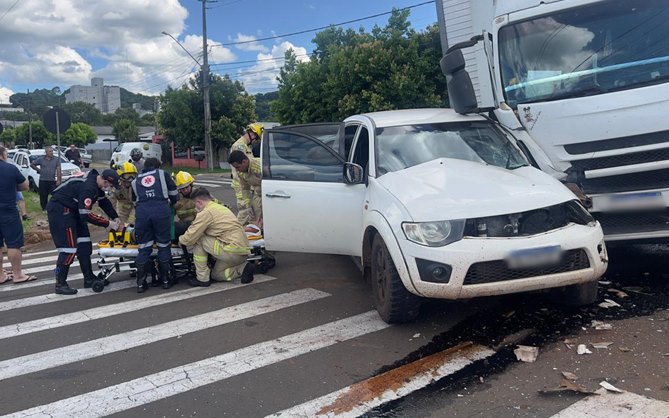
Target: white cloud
{"points": [[261, 77], [248, 45], [4, 94]]}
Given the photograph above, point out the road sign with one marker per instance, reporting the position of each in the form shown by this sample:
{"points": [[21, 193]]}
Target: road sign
{"points": [[49, 119]]}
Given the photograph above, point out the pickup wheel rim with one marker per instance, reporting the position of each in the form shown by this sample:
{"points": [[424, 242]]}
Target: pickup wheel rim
{"points": [[381, 274]]}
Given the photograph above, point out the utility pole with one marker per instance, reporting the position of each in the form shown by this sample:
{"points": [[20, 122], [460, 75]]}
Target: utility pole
{"points": [[205, 89], [30, 122]]}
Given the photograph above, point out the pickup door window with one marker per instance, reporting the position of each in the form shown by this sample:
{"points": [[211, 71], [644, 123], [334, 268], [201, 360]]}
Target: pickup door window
{"points": [[307, 206]]}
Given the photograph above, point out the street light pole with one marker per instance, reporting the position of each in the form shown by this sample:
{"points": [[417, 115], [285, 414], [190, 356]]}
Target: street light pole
{"points": [[205, 87], [204, 69]]}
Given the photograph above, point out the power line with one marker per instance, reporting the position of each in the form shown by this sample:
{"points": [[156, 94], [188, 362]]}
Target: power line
{"points": [[10, 9], [323, 27]]}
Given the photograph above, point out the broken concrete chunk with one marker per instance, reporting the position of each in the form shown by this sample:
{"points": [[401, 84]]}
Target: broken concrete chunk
{"points": [[606, 385], [599, 325], [582, 349], [602, 345], [526, 353]]}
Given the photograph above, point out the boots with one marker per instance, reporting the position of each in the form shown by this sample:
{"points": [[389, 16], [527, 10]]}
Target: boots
{"points": [[141, 278], [165, 273], [62, 287], [87, 270], [247, 274]]}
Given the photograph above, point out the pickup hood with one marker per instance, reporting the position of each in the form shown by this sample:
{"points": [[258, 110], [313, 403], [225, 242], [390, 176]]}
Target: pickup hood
{"points": [[455, 189]]}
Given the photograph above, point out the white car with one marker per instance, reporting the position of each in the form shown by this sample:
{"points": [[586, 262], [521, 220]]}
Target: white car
{"points": [[433, 204], [24, 158], [122, 152]]}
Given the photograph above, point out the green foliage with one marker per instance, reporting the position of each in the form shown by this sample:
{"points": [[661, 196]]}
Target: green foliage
{"points": [[40, 135], [125, 130], [79, 134], [15, 116], [393, 67], [182, 112], [8, 135], [148, 119], [38, 101], [83, 113], [129, 98], [262, 105]]}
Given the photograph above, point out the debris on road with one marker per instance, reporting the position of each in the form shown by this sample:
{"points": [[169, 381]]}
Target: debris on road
{"points": [[526, 353], [600, 325], [569, 376], [602, 345], [567, 386], [582, 349], [608, 303], [618, 293], [624, 349], [606, 385]]}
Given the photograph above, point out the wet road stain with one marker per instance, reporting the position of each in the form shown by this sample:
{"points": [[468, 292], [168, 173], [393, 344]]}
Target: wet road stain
{"points": [[539, 321]]}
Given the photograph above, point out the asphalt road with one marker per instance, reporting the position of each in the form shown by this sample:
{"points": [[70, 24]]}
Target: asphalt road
{"points": [[304, 340]]}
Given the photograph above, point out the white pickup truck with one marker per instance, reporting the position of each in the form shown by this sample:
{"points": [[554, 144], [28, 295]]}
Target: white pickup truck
{"points": [[433, 204]]}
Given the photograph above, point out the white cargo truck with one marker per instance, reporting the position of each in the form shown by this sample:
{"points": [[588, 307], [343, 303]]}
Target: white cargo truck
{"points": [[583, 85]]}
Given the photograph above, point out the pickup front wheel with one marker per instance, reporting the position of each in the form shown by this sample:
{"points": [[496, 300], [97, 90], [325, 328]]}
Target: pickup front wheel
{"points": [[393, 302]]}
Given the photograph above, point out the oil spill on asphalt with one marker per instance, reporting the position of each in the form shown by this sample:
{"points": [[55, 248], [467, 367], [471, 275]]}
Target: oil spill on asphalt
{"points": [[640, 272]]}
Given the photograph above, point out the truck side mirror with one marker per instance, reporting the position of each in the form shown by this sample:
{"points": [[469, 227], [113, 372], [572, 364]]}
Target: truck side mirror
{"points": [[461, 92]]}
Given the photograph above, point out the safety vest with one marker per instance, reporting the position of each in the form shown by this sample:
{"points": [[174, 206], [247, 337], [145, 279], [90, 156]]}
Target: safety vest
{"points": [[150, 186]]}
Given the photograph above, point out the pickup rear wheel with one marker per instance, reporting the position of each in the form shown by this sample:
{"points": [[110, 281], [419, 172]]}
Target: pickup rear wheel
{"points": [[393, 302]]}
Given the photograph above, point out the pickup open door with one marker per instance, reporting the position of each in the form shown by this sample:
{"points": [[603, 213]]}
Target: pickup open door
{"points": [[308, 205]]}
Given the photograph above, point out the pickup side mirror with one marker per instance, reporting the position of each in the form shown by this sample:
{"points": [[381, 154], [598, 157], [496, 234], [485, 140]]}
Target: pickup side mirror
{"points": [[353, 173], [24, 165]]}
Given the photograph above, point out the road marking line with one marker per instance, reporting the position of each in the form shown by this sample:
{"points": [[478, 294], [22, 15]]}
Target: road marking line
{"points": [[361, 397], [30, 254], [89, 349], [39, 282], [616, 405], [14, 330], [52, 297], [157, 386], [200, 183], [39, 260]]}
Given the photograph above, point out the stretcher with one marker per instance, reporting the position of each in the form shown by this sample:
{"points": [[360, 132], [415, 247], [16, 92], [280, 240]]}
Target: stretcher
{"points": [[119, 252]]}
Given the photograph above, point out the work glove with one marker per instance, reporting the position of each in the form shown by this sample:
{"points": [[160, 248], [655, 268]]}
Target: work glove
{"points": [[113, 225], [120, 224]]}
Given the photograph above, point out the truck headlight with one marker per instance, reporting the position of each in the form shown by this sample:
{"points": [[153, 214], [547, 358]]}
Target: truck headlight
{"points": [[434, 234]]}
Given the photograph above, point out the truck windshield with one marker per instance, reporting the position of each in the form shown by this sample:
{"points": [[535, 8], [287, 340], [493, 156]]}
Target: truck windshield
{"points": [[602, 47], [401, 147]]}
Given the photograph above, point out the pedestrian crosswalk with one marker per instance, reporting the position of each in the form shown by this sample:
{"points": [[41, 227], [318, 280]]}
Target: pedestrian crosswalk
{"points": [[210, 182], [199, 351]]}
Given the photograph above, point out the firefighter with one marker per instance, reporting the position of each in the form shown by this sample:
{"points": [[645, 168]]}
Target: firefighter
{"points": [[184, 209], [248, 193], [216, 232], [245, 144], [69, 211], [127, 172], [153, 191]]}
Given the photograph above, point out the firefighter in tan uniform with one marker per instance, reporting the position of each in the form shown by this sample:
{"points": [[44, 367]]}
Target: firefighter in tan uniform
{"points": [[184, 209], [125, 208], [253, 133], [216, 232], [248, 193]]}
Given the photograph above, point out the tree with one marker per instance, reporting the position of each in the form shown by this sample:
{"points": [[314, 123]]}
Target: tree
{"points": [[8, 136], [83, 112], [393, 67], [182, 112], [262, 105], [125, 130], [41, 136], [79, 134], [148, 119]]}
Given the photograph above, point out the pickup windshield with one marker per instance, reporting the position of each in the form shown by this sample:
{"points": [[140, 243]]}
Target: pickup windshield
{"points": [[401, 147], [602, 47]]}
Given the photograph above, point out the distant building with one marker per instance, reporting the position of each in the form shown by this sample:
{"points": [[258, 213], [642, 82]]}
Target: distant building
{"points": [[105, 98], [9, 108]]}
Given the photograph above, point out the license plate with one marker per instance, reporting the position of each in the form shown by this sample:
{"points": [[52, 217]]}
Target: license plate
{"points": [[534, 257], [631, 201]]}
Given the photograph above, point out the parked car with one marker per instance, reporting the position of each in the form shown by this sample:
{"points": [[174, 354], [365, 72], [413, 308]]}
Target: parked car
{"points": [[122, 151], [432, 204], [24, 158]]}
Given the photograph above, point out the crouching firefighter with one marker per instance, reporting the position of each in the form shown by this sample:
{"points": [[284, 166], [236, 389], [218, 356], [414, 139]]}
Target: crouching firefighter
{"points": [[69, 211], [153, 192], [184, 209]]}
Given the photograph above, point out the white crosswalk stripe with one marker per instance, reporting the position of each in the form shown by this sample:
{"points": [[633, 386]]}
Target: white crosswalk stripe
{"points": [[124, 396], [210, 184]]}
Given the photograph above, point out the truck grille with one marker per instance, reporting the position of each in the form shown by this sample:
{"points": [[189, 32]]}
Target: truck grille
{"points": [[497, 271], [618, 143], [656, 179], [623, 223], [621, 160]]}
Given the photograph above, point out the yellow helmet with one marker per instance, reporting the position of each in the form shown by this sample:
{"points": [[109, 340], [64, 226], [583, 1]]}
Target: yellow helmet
{"points": [[126, 168], [183, 179], [256, 128]]}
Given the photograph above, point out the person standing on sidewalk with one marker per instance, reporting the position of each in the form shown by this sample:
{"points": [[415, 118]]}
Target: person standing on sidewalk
{"points": [[73, 154], [11, 229], [49, 175]]}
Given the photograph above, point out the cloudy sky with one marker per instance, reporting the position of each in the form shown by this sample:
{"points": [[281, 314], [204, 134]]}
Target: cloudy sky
{"points": [[49, 43]]}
